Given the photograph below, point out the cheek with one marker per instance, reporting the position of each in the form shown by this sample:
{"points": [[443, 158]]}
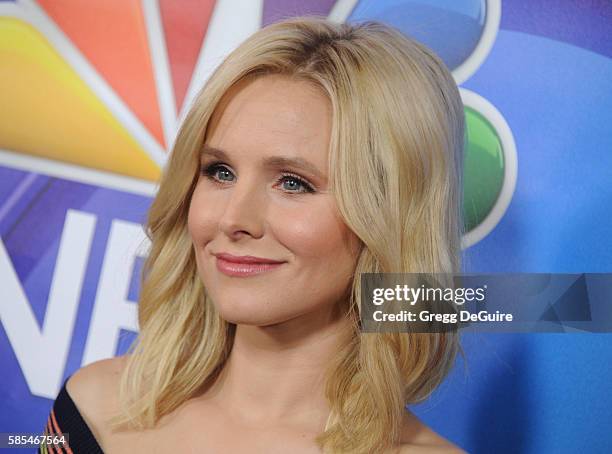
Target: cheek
{"points": [[200, 222], [324, 259], [315, 234]]}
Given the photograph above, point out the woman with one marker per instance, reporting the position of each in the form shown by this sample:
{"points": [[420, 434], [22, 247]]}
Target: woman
{"points": [[315, 152]]}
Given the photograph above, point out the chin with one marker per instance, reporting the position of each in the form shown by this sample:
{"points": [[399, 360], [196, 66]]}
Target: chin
{"points": [[251, 313], [251, 321]]}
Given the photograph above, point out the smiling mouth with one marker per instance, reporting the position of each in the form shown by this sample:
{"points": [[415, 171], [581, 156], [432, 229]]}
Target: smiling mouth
{"points": [[242, 269]]}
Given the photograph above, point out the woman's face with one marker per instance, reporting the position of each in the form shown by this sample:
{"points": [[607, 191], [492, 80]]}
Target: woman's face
{"points": [[262, 192]]}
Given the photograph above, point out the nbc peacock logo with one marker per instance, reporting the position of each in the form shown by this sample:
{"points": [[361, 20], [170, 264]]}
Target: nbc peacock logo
{"points": [[94, 91]]}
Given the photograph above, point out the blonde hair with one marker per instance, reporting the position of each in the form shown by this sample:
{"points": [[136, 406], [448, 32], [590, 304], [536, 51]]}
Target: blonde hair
{"points": [[395, 162]]}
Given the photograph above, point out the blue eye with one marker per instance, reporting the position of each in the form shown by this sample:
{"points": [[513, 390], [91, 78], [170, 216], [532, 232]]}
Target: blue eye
{"points": [[298, 182], [218, 173], [211, 171]]}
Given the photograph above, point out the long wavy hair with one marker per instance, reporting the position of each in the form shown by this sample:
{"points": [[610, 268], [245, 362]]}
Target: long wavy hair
{"points": [[395, 166]]}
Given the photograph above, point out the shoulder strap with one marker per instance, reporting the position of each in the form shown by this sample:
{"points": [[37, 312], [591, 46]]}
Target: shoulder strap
{"points": [[65, 418]]}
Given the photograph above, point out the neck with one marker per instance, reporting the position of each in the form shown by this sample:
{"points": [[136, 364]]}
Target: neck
{"points": [[276, 373]]}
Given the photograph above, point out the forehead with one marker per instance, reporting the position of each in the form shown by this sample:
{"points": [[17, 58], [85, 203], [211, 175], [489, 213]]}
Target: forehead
{"points": [[273, 114]]}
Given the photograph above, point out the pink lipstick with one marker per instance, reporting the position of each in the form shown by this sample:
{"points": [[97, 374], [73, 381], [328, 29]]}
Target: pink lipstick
{"points": [[245, 265]]}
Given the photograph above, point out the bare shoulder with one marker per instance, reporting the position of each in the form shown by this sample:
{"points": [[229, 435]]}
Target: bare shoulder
{"points": [[94, 390], [417, 437], [93, 382]]}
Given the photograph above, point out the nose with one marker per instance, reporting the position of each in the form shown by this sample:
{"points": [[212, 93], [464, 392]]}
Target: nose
{"points": [[244, 210]]}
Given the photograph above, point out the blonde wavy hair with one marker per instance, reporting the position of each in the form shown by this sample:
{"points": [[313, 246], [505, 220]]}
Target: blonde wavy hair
{"points": [[395, 166]]}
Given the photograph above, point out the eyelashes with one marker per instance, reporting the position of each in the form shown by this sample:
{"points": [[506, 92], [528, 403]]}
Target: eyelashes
{"points": [[210, 171]]}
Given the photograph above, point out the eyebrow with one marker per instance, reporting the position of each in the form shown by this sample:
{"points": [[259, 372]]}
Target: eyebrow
{"points": [[271, 161]]}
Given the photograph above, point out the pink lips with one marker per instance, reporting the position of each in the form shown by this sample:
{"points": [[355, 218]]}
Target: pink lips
{"points": [[245, 265]]}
